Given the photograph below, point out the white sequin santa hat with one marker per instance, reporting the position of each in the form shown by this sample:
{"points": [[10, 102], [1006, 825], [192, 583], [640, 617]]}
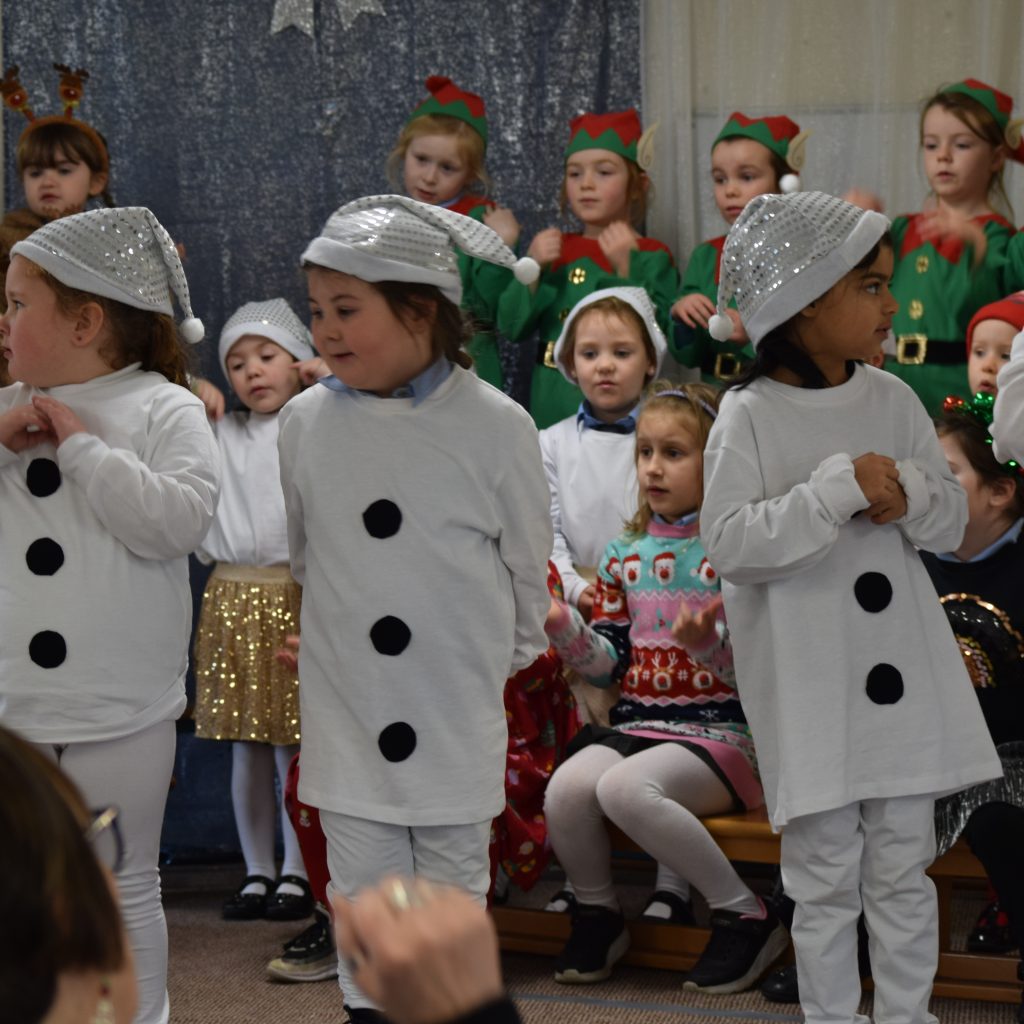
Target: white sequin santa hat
{"points": [[271, 319], [635, 297], [123, 254], [394, 238], [785, 251]]}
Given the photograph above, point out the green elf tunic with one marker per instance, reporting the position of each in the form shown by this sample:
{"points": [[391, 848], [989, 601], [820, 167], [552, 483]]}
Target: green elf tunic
{"points": [[1014, 275], [719, 361], [482, 285], [939, 291], [581, 269]]}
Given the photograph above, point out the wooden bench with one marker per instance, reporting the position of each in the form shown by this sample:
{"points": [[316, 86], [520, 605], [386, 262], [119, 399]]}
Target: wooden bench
{"points": [[748, 838]]}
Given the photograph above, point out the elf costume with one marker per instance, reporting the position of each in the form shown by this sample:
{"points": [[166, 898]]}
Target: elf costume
{"points": [[941, 283], [482, 282], [581, 269], [720, 361]]}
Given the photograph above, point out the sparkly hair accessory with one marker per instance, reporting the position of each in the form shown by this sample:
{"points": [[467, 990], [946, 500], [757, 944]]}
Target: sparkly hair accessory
{"points": [[1000, 106], [394, 238], [979, 408], [123, 254], [72, 85], [778, 134], [785, 251], [635, 297], [447, 99], [271, 319], [676, 393]]}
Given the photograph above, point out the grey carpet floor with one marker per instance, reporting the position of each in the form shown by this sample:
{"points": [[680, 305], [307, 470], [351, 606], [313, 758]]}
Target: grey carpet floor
{"points": [[217, 976]]}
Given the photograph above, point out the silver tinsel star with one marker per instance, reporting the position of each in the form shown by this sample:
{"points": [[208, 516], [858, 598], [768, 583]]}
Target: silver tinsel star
{"points": [[299, 13]]}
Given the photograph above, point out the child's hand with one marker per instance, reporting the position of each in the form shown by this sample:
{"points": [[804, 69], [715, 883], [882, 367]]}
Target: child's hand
{"points": [[24, 427], [585, 604], [945, 223], [502, 220], [289, 654], [739, 332], [694, 310], [617, 241], [695, 630], [210, 395], [311, 370], [546, 246], [62, 421], [886, 511], [864, 199], [879, 479]]}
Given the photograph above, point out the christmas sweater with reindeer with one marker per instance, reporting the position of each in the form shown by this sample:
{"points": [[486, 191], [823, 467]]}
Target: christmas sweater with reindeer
{"points": [[668, 692]]}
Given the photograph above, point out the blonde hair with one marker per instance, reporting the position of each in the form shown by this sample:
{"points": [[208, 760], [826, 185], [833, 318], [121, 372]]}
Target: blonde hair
{"points": [[639, 191], [612, 305], [469, 140], [979, 120], [689, 403]]}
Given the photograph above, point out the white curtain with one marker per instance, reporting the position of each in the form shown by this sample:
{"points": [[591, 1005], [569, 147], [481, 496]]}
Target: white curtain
{"points": [[854, 72]]}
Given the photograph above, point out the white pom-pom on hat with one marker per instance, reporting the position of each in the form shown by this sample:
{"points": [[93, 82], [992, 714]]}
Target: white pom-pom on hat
{"points": [[720, 327], [192, 330], [789, 183], [526, 270]]}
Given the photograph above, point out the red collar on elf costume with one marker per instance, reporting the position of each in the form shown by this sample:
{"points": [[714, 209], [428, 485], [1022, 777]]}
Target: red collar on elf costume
{"points": [[72, 85], [1010, 310], [1000, 106], [447, 99]]}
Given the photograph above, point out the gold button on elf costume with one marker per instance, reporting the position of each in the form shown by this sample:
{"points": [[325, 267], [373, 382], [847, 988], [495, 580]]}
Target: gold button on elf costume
{"points": [[577, 275], [922, 264], [916, 309]]}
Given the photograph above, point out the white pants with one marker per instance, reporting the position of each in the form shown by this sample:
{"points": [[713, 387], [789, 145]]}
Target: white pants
{"points": [[133, 774], [362, 852], [873, 855]]}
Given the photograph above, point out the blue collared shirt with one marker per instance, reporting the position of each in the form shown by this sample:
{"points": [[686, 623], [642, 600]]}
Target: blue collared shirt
{"points": [[418, 389], [686, 520], [1010, 537], [627, 425]]}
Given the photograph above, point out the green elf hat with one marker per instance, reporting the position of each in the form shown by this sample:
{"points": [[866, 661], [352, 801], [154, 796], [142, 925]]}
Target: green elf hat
{"points": [[1000, 106], [447, 99], [779, 134], [619, 132]]}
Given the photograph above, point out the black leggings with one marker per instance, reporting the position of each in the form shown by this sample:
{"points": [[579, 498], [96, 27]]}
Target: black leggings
{"points": [[995, 832]]}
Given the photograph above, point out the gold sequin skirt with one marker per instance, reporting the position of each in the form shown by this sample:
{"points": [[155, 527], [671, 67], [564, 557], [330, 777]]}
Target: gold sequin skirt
{"points": [[242, 693]]}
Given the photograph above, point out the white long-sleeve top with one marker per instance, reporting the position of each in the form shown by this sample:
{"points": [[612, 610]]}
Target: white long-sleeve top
{"points": [[94, 539], [420, 533], [846, 665], [592, 479], [1008, 416], [250, 525]]}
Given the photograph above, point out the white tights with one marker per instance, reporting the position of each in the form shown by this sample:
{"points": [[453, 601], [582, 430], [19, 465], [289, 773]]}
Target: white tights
{"points": [[133, 774], [255, 805], [657, 798]]}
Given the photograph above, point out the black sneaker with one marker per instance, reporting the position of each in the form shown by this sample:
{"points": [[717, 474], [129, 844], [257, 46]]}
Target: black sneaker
{"points": [[680, 910], [781, 986], [597, 941], [992, 933], [740, 949], [310, 956]]}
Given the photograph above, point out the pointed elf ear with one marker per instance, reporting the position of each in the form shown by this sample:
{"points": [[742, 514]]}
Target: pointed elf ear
{"points": [[645, 148], [797, 152]]}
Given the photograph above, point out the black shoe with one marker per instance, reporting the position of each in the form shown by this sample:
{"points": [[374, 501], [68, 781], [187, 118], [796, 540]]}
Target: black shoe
{"points": [[740, 950], [241, 906], [310, 956], [681, 911], [563, 902], [992, 933], [781, 986], [286, 906], [597, 941], [364, 1015]]}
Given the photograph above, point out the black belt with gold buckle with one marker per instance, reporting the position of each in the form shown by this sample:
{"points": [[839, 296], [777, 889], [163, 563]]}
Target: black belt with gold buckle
{"points": [[725, 366], [916, 349]]}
